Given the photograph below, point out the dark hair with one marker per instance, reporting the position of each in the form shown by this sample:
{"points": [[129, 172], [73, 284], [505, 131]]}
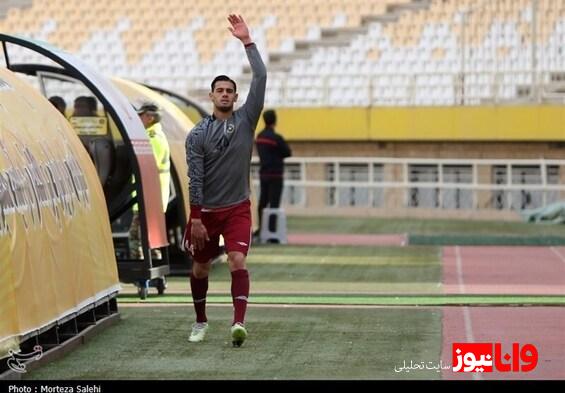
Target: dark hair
{"points": [[270, 117], [93, 104], [220, 78], [89, 103], [58, 102]]}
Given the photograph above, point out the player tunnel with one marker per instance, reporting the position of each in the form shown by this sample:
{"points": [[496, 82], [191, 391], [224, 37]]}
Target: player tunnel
{"points": [[102, 113]]}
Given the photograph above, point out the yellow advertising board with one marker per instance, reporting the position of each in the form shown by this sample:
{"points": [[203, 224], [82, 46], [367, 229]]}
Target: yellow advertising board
{"points": [[494, 123], [56, 249]]}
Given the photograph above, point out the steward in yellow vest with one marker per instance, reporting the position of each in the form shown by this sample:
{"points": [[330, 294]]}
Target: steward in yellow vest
{"points": [[150, 115]]}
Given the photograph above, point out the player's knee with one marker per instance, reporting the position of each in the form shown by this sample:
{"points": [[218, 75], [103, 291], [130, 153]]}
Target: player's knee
{"points": [[236, 260], [200, 270]]}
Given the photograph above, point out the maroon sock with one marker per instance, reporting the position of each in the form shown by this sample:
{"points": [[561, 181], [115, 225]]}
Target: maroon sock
{"points": [[239, 293], [199, 288]]}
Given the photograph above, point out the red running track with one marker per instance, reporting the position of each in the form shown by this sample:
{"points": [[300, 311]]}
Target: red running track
{"points": [[504, 270], [543, 327], [511, 271]]}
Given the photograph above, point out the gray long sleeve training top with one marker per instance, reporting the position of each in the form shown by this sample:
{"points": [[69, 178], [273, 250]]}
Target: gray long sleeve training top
{"points": [[218, 152]]}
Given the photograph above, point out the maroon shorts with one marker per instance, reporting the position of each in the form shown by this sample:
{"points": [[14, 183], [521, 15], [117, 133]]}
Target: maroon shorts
{"points": [[233, 223]]}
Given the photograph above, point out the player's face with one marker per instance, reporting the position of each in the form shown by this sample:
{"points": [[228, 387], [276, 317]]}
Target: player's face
{"points": [[223, 96]]}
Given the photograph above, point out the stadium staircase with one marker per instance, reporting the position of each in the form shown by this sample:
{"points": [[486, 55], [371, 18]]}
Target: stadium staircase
{"points": [[336, 36]]}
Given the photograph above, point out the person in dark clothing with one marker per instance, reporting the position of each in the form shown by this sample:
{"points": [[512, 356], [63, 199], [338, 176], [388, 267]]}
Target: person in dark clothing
{"points": [[85, 106], [59, 103], [272, 150]]}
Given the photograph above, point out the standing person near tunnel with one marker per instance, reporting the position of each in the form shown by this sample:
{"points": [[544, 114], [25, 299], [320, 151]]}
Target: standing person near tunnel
{"points": [[85, 106], [59, 103], [219, 152], [150, 115]]}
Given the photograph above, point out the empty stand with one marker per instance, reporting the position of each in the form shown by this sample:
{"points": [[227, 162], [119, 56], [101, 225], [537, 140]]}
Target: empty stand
{"points": [[319, 52]]}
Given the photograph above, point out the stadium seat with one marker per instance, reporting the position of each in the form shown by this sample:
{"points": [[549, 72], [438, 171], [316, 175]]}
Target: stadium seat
{"points": [[423, 40]]}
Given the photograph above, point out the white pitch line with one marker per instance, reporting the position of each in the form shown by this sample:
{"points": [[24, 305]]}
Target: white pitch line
{"points": [[275, 305], [466, 312], [556, 252]]}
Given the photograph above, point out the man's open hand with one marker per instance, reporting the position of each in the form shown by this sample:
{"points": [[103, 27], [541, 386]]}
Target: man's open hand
{"points": [[239, 29]]}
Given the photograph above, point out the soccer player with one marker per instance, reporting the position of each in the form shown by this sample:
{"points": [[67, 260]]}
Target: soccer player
{"points": [[219, 152]]}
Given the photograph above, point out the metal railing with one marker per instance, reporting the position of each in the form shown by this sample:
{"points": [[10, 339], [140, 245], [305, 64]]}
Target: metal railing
{"points": [[444, 184]]}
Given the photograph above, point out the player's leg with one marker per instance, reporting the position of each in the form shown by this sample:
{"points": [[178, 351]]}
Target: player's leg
{"points": [[201, 263], [240, 293], [199, 290], [237, 236]]}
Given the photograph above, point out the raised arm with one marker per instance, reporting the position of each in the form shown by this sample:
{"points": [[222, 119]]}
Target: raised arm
{"points": [[256, 97]]}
